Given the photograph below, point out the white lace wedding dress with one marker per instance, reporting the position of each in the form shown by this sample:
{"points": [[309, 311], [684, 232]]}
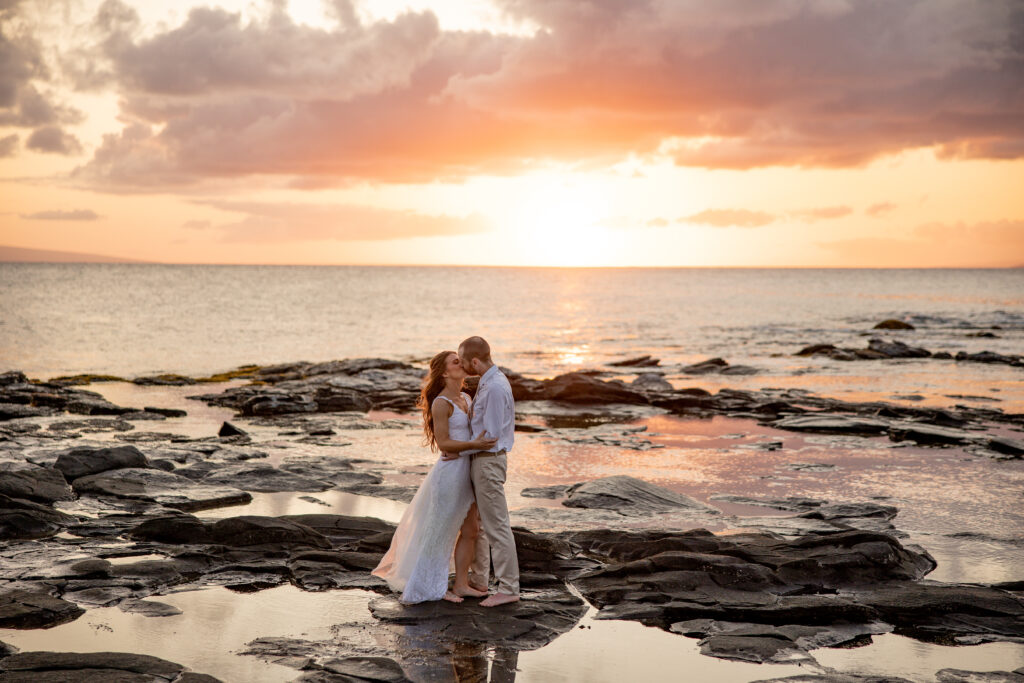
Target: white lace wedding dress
{"points": [[419, 560]]}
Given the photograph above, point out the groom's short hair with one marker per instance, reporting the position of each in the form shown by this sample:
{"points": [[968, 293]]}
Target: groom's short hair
{"points": [[476, 347]]}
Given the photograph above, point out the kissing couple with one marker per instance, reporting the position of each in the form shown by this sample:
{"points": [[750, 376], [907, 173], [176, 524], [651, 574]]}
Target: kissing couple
{"points": [[440, 531]]}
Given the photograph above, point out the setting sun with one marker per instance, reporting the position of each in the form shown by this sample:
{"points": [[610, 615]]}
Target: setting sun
{"points": [[559, 223]]}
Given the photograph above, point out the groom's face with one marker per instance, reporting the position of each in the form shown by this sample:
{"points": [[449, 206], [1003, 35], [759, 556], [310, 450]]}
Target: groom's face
{"points": [[468, 365]]}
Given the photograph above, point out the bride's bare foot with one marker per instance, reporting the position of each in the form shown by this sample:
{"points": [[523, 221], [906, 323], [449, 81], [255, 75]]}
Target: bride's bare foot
{"points": [[499, 599], [451, 597], [468, 591]]}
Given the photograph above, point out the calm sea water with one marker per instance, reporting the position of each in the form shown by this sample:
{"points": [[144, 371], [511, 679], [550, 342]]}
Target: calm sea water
{"points": [[139, 319]]}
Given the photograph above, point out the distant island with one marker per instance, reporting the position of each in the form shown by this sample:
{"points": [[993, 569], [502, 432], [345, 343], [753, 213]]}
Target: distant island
{"points": [[22, 255]]}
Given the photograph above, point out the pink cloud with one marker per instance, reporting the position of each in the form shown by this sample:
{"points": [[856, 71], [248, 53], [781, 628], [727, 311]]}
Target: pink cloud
{"points": [[880, 209], [778, 82], [723, 218], [823, 213]]}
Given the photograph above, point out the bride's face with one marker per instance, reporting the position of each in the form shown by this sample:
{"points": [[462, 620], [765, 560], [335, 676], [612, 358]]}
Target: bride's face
{"points": [[453, 367]]}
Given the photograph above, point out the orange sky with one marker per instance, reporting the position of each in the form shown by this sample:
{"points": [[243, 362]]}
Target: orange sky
{"points": [[516, 132]]}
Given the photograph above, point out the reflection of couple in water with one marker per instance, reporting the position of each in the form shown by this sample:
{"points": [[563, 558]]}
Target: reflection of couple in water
{"points": [[464, 491]]}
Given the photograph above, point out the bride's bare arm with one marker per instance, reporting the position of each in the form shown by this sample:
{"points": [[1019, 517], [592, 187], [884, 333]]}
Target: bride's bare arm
{"points": [[441, 410]]}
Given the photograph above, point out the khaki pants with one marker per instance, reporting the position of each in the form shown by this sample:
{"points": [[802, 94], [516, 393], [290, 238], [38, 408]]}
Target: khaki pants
{"points": [[496, 541]]}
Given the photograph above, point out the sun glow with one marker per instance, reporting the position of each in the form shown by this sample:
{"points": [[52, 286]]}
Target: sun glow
{"points": [[560, 225]]}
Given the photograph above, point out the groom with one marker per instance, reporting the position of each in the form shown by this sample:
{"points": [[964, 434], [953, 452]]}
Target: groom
{"points": [[493, 412]]}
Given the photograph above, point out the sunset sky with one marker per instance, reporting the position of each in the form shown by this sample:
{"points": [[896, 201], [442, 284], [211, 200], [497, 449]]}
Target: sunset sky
{"points": [[516, 132]]}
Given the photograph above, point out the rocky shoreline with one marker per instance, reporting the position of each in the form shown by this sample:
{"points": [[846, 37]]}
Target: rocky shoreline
{"points": [[81, 497]]}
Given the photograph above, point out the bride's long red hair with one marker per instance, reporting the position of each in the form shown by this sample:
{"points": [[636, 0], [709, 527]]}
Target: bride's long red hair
{"points": [[433, 385]]}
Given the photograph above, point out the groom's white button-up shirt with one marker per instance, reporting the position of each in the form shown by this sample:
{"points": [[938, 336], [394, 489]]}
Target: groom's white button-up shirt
{"points": [[494, 410]]}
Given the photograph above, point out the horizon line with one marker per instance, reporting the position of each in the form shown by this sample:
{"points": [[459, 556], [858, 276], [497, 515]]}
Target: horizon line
{"points": [[13, 254], [517, 266]]}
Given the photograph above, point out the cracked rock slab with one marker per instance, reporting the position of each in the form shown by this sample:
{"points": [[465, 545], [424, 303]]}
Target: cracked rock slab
{"points": [[166, 488], [94, 667], [23, 609], [631, 495]]}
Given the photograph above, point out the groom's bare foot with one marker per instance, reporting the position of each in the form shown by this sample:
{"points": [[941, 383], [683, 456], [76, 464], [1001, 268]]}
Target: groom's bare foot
{"points": [[469, 592], [451, 597], [499, 599]]}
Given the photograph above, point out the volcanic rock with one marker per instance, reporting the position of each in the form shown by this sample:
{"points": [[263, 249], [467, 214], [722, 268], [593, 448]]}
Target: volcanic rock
{"points": [[893, 324], [34, 483], [24, 609], [87, 405], [705, 367], [176, 529], [628, 494], [83, 461], [249, 530], [94, 667], [639, 362], [12, 411], [650, 381], [576, 387], [833, 424], [537, 619], [263, 478], [166, 488], [990, 357], [25, 519], [928, 435], [228, 429]]}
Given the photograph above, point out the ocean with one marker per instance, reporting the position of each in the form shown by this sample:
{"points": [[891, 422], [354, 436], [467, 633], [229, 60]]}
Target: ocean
{"points": [[132, 320]]}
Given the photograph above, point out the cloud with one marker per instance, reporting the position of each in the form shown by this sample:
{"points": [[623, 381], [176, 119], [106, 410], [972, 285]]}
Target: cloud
{"points": [[53, 140], [61, 215], [880, 209], [30, 108], [657, 222], [723, 218], [8, 145], [981, 245], [727, 84], [289, 222], [22, 67], [824, 212]]}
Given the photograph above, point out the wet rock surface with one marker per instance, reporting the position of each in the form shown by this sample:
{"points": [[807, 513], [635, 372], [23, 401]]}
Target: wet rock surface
{"points": [[95, 667], [35, 609], [628, 495], [21, 397], [537, 619], [885, 349], [823, 574], [81, 462], [165, 488], [24, 480]]}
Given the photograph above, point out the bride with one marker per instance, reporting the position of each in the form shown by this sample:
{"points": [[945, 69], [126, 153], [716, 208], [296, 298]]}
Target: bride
{"points": [[442, 516]]}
